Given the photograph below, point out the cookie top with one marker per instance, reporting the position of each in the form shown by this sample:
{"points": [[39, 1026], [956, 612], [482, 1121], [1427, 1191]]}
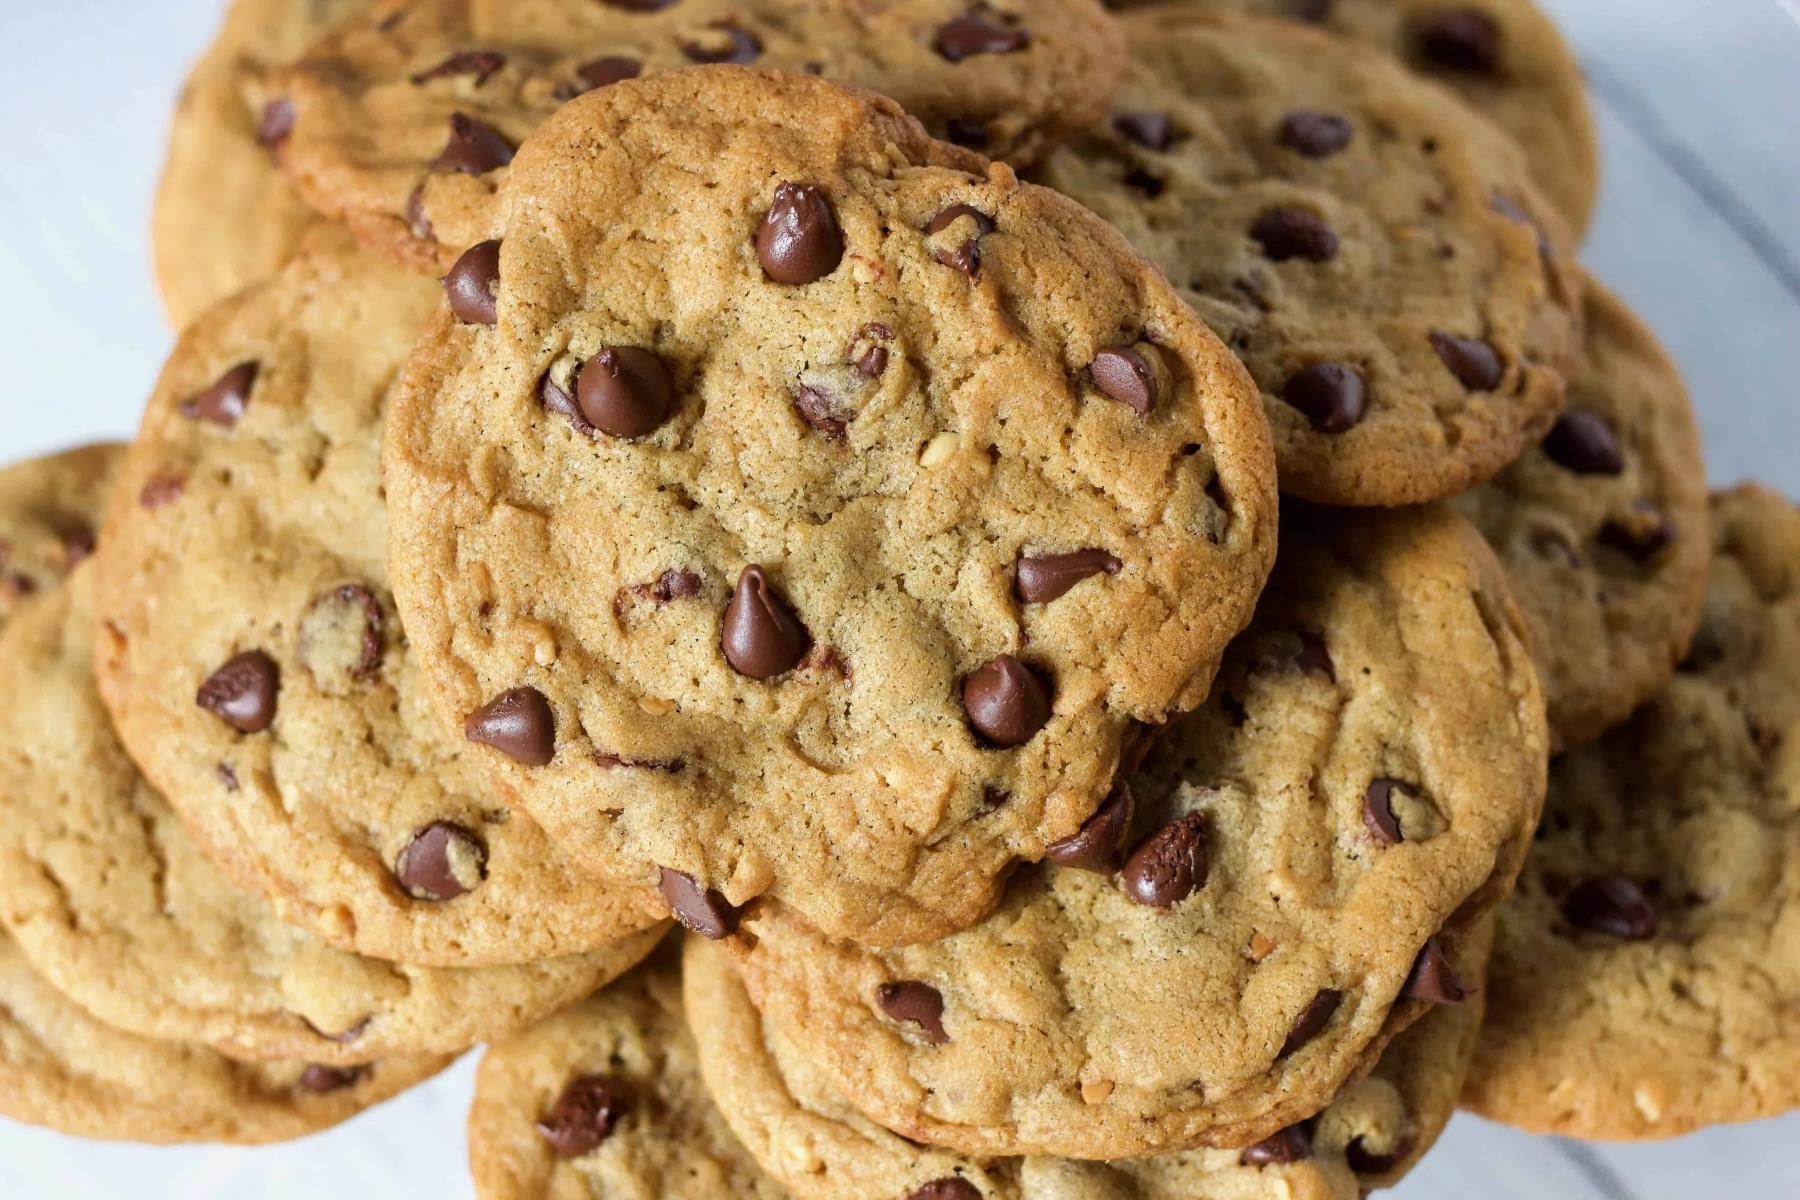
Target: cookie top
{"points": [[113, 903], [62, 1069], [252, 658], [1506, 58], [1603, 528], [1373, 251], [606, 1099], [802, 1131], [1647, 971], [405, 122], [50, 510], [224, 216], [774, 541], [1265, 904]]}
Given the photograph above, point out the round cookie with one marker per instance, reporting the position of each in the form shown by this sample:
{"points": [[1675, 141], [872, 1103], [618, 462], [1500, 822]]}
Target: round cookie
{"points": [[405, 122], [804, 1133], [224, 217], [1647, 971], [606, 1099], [50, 511], [1603, 528], [107, 895], [64, 1070], [896, 537], [1506, 58], [1373, 251], [1270, 898], [262, 585]]}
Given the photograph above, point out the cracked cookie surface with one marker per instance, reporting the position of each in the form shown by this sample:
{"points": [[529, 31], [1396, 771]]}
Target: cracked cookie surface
{"points": [[1647, 971], [1264, 905], [810, 512], [1375, 253]]}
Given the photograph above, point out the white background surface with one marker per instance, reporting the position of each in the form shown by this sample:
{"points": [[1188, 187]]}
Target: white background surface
{"points": [[1699, 104]]}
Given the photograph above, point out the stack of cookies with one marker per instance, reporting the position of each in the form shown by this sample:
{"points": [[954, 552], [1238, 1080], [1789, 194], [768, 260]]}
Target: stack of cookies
{"points": [[1109, 569]]}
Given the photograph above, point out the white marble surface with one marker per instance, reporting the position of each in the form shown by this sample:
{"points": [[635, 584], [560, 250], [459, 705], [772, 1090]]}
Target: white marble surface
{"points": [[1698, 102]]}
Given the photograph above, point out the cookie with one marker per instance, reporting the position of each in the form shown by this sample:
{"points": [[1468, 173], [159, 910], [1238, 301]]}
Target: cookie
{"points": [[1505, 58], [224, 216], [1647, 972], [606, 1099], [50, 511], [405, 122], [1603, 528], [1274, 894], [62, 1069], [109, 898], [805, 1134], [1373, 251], [250, 653], [821, 516]]}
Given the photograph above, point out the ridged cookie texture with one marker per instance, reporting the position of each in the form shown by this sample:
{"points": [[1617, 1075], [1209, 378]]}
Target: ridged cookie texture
{"points": [[250, 654], [1374, 251], [1647, 972], [807, 1136], [404, 123], [105, 893], [1279, 890], [808, 508]]}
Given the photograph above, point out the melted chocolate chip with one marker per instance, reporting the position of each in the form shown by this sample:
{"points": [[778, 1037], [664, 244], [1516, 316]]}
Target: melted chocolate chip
{"points": [[1099, 844], [474, 148], [625, 391], [1583, 442], [798, 240], [1314, 134], [1378, 812], [320, 1080], [872, 363], [761, 637], [441, 862], [1612, 905], [1312, 1019], [1170, 865], [1433, 979], [1006, 702], [224, 402], [700, 910], [946, 1189], [340, 637], [917, 1003], [242, 692], [971, 34], [1364, 1161], [1151, 130], [1286, 233], [275, 123], [965, 256], [480, 63], [472, 282], [1048, 577], [583, 1116], [1463, 39], [1329, 395], [1640, 533], [820, 409], [518, 723], [604, 72], [1291, 1145], [1122, 374], [555, 398], [727, 44], [1475, 364]]}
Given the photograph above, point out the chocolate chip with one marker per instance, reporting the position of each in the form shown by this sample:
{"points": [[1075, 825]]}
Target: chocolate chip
{"points": [[340, 637], [1314, 1017], [518, 723], [1475, 364], [1314, 656], [1364, 1161], [1378, 812], [1048, 577], [964, 256], [1151, 130], [701, 910], [918, 1003], [1463, 39], [441, 862], [225, 401], [1582, 442], [342, 1037], [319, 1079], [760, 635], [676, 585], [604, 72], [276, 122], [966, 132], [480, 63], [583, 1115], [1286, 233], [159, 490], [798, 239], [1613, 905], [971, 34], [821, 410], [946, 1189], [1170, 865], [1291, 1145], [1329, 395], [555, 398], [471, 284], [1099, 844], [76, 545], [872, 361], [1433, 979], [1314, 134], [727, 44], [1006, 702], [1123, 374], [1640, 533], [625, 391], [242, 692], [474, 148]]}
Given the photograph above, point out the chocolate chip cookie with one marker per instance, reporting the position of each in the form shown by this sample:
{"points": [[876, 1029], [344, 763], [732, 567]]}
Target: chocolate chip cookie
{"points": [[606, 1099], [1273, 895], [1373, 251], [50, 511], [224, 216], [110, 899], [804, 1133], [1647, 971], [250, 653], [1506, 58], [788, 505], [1603, 528], [64, 1070], [405, 123]]}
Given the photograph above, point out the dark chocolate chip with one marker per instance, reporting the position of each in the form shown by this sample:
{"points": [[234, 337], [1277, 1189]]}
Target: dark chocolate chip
{"points": [[224, 402], [1099, 844], [761, 636], [1151, 130], [946, 1189], [917, 1003], [1170, 865], [441, 862], [971, 34], [727, 44], [1314, 656], [1583, 442], [1314, 134], [604, 72], [966, 255], [1121, 373], [798, 239], [625, 391], [1006, 702], [1612, 905], [474, 148], [472, 282], [1312, 1019], [1364, 1161], [1291, 1145], [1048, 577], [340, 636], [480, 63], [872, 363], [320, 1080], [583, 1116], [275, 124], [242, 692], [555, 398], [1378, 812], [1475, 364], [966, 132], [701, 910], [1640, 533], [821, 410], [76, 544], [1463, 39], [1433, 979], [1329, 395], [518, 723], [1286, 233]]}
